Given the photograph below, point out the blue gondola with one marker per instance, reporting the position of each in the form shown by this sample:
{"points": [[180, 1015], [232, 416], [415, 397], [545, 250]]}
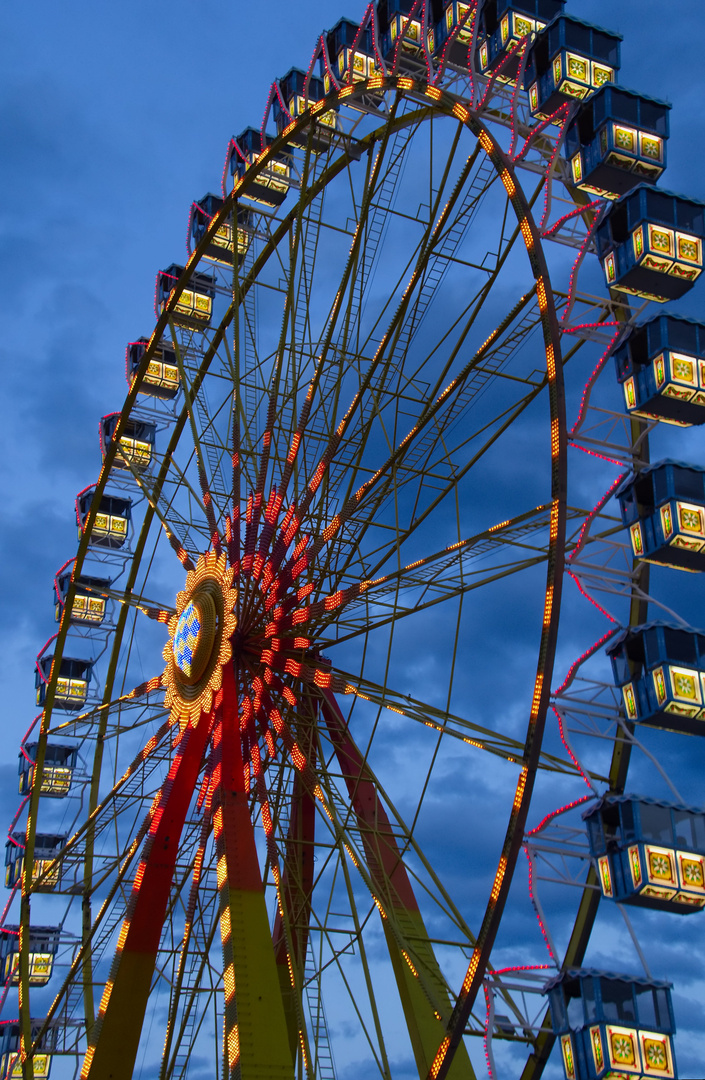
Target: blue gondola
{"points": [[162, 376], [663, 506], [291, 88], [660, 670], [220, 246], [71, 684], [506, 22], [396, 30], [339, 43], [46, 870], [10, 1065], [650, 243], [612, 1025], [272, 184], [136, 445], [111, 521], [43, 946], [661, 366], [89, 600], [648, 853], [57, 772], [616, 140], [446, 17], [195, 305], [568, 60]]}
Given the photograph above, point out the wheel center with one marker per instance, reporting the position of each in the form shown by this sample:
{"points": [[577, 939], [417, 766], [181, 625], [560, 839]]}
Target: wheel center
{"points": [[194, 637]]}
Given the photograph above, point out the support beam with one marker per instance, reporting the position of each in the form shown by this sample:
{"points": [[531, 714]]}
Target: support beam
{"points": [[421, 986], [256, 1036], [115, 1038], [297, 887]]}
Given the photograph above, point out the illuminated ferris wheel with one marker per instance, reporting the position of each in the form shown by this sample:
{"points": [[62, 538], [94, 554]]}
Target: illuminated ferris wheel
{"points": [[302, 692]]}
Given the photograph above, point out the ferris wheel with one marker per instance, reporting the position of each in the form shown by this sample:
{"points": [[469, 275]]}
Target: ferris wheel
{"points": [[306, 758]]}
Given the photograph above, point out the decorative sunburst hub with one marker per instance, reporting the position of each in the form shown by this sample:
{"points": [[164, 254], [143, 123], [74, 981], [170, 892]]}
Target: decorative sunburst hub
{"points": [[200, 639]]}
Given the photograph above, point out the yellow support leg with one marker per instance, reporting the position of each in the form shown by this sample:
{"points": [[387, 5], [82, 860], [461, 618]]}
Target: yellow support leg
{"points": [[256, 1037]]}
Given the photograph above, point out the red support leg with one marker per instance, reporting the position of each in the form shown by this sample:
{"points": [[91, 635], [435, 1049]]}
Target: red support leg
{"points": [[296, 890], [113, 1044], [422, 990], [256, 1038]]}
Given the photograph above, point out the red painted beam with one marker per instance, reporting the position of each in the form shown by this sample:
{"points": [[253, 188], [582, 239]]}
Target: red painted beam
{"points": [[421, 986], [256, 1037], [114, 1042], [296, 896]]}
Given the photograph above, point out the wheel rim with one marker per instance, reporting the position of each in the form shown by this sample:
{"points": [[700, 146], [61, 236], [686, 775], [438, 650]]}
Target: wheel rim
{"points": [[550, 519]]}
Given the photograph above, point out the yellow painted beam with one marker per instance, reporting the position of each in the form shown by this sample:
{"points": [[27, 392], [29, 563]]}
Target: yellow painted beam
{"points": [[256, 1036]]}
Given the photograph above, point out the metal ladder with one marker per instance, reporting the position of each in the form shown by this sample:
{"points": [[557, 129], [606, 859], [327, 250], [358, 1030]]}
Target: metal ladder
{"points": [[323, 1066], [443, 253], [321, 424]]}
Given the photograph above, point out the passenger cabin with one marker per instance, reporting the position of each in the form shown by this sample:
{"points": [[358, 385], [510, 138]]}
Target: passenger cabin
{"points": [[10, 1064], [111, 521], [506, 24], [345, 51], [161, 379], [89, 600], [57, 772], [663, 506], [569, 59], [616, 140], [136, 444], [194, 306], [397, 30], [272, 183], [452, 31], [661, 367], [648, 853], [71, 684], [46, 870], [292, 89], [612, 1025], [220, 246], [43, 946], [650, 243], [660, 670]]}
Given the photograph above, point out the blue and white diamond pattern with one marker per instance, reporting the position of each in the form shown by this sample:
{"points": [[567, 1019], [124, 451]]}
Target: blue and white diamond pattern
{"points": [[188, 629]]}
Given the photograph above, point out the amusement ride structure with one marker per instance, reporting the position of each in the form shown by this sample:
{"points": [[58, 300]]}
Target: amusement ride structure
{"points": [[303, 686]]}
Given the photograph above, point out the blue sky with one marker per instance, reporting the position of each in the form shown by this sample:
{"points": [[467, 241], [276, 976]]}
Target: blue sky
{"points": [[113, 119]]}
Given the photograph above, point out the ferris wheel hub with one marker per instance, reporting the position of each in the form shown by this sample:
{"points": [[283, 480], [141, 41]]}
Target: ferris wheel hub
{"points": [[200, 639], [195, 636]]}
